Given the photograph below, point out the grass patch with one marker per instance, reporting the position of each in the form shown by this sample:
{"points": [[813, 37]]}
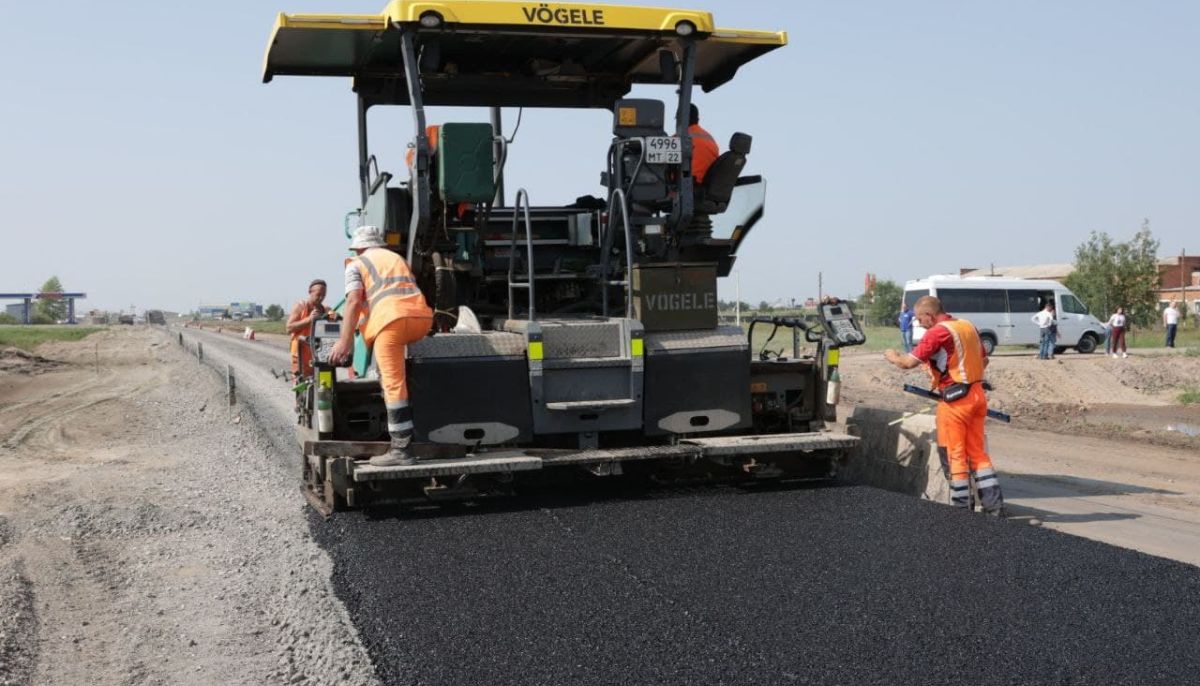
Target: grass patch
{"points": [[1157, 338], [266, 326], [29, 337], [879, 338], [1190, 396]]}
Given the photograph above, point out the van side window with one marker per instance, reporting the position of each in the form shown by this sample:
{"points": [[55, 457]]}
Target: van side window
{"points": [[1023, 301], [972, 299], [911, 297], [1072, 305]]}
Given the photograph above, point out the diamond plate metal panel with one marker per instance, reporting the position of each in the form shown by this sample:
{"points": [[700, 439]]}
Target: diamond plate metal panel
{"points": [[579, 339], [463, 345], [707, 339]]}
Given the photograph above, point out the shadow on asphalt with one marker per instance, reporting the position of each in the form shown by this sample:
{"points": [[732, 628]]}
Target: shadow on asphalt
{"points": [[1025, 513], [1081, 487]]}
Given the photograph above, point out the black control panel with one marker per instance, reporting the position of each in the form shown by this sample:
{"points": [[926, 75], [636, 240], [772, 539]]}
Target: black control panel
{"points": [[325, 334], [840, 325]]}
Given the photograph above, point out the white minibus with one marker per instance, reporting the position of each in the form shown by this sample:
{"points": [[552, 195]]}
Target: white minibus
{"points": [[1002, 309]]}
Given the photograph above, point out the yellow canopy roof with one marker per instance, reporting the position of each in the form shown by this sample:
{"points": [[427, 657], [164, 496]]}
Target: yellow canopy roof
{"points": [[509, 53]]}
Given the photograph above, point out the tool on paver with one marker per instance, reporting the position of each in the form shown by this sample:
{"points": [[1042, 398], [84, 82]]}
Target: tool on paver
{"points": [[933, 395]]}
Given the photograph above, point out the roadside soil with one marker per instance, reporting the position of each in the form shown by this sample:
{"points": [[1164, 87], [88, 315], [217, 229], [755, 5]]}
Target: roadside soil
{"points": [[149, 535]]}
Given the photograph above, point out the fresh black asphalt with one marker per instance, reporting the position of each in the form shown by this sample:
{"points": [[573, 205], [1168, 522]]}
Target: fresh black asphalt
{"points": [[834, 585]]}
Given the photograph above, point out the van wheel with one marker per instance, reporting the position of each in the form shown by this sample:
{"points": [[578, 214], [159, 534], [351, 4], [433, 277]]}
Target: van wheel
{"points": [[1087, 345], [1060, 349], [989, 343]]}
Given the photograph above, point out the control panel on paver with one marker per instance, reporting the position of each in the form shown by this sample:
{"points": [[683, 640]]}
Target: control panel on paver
{"points": [[325, 334], [841, 326]]}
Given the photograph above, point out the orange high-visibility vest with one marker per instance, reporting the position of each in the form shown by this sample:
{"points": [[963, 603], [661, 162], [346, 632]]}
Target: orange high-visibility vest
{"points": [[432, 133], [964, 362], [704, 151], [390, 291], [300, 353]]}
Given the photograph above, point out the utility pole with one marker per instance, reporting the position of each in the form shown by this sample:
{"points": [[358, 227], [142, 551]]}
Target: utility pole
{"points": [[1183, 281], [820, 288], [737, 297]]}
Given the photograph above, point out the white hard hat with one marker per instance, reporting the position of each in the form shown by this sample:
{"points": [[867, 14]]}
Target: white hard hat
{"points": [[367, 237]]}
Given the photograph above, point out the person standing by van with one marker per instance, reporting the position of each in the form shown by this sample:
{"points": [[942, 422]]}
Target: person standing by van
{"points": [[1171, 321], [1119, 324], [1045, 321], [906, 326]]}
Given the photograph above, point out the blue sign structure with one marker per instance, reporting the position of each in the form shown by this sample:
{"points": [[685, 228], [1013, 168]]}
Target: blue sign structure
{"points": [[28, 299]]}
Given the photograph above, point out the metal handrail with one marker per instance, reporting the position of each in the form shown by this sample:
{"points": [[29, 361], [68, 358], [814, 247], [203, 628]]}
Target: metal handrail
{"points": [[522, 203], [627, 282]]}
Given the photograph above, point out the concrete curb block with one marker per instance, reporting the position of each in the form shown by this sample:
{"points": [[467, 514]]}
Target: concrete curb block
{"points": [[901, 457]]}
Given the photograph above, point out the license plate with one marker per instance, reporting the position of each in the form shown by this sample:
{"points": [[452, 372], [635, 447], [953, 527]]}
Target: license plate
{"points": [[663, 150]]}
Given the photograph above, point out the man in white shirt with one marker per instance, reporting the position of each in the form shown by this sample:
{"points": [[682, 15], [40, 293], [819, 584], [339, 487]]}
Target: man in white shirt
{"points": [[1171, 321], [1045, 322]]}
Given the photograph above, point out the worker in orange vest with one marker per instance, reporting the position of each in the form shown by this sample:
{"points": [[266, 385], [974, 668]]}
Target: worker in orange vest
{"points": [[956, 360], [383, 298], [299, 324], [704, 147]]}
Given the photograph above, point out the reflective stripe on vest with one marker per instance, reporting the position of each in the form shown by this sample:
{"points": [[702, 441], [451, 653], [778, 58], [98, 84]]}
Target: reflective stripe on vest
{"points": [[964, 363], [391, 292]]}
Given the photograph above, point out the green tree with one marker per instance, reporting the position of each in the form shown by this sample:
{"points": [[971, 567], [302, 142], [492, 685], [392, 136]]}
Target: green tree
{"points": [[1109, 275], [6, 318], [49, 311], [883, 303], [764, 306], [274, 312]]}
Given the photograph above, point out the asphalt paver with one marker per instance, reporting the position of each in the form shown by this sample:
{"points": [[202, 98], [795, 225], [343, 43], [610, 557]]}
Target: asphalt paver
{"points": [[833, 585]]}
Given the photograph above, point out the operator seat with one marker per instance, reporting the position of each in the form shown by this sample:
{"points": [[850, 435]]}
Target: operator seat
{"points": [[712, 196]]}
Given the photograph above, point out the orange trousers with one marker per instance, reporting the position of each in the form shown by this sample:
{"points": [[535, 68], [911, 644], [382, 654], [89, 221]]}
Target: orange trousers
{"points": [[389, 348], [301, 358], [961, 446]]}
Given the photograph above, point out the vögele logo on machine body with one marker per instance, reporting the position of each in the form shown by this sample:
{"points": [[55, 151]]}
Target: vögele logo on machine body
{"points": [[567, 16]]}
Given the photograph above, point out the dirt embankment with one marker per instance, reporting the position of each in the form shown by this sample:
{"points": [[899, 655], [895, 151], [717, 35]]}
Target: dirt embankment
{"points": [[149, 537], [1133, 398], [17, 361]]}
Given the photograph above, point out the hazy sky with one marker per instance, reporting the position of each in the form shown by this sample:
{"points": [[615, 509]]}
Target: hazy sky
{"points": [[144, 163]]}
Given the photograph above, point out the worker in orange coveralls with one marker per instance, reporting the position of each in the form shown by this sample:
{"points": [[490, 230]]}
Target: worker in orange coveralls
{"points": [[299, 324], [383, 298], [704, 147], [956, 360]]}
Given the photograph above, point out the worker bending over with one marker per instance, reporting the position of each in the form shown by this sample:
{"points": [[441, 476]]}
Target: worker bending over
{"points": [[956, 360], [380, 289], [704, 147], [299, 325]]}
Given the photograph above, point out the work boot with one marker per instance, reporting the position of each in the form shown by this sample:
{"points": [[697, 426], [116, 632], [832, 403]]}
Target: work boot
{"points": [[398, 456]]}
